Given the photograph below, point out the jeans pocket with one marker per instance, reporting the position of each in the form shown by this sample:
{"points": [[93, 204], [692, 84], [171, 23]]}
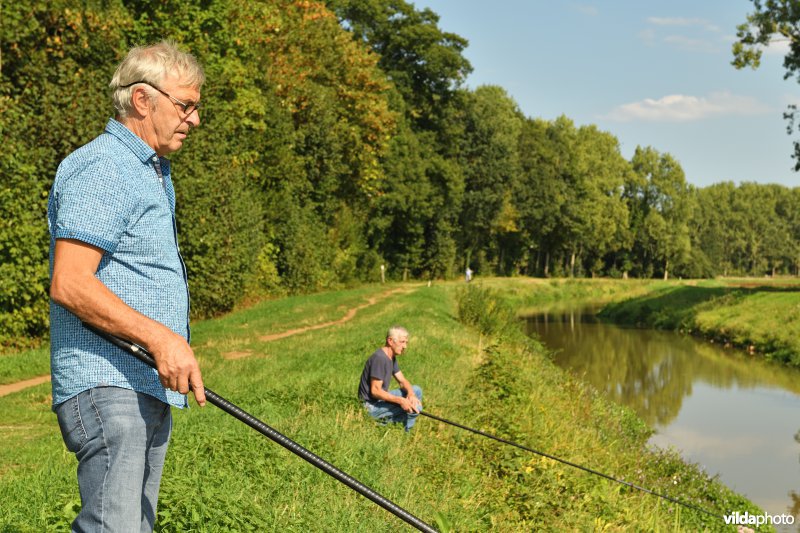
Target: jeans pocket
{"points": [[71, 425]]}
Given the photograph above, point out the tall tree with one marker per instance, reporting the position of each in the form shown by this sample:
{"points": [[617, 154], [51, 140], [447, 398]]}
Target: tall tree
{"points": [[791, 208], [571, 195], [57, 58], [541, 192], [764, 235], [308, 107], [772, 21], [404, 208], [714, 230], [426, 66], [597, 214], [665, 207], [425, 63], [489, 155]]}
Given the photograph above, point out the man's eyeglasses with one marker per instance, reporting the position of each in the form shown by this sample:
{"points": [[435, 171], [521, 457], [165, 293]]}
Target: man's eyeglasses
{"points": [[187, 107]]}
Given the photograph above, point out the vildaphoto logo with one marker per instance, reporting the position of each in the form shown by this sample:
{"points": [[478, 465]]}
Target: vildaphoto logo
{"points": [[747, 519]]}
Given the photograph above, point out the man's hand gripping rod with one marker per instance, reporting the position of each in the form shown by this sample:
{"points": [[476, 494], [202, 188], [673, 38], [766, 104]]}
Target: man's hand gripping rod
{"points": [[233, 410]]}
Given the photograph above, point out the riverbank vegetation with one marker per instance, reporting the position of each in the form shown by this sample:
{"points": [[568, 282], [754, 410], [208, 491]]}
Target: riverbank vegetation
{"points": [[759, 316], [476, 368], [338, 137], [762, 317]]}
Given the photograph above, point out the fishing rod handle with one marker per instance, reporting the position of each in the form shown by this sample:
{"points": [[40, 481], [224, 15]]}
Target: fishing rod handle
{"points": [[132, 348], [237, 412]]}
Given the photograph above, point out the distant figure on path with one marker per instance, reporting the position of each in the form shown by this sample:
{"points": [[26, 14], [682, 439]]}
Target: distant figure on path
{"points": [[397, 405], [468, 275]]}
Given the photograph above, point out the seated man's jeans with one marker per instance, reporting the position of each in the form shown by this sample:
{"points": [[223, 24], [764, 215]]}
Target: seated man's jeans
{"points": [[120, 438], [391, 412]]}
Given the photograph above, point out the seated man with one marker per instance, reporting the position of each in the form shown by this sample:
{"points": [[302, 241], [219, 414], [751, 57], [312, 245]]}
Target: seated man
{"points": [[397, 405]]}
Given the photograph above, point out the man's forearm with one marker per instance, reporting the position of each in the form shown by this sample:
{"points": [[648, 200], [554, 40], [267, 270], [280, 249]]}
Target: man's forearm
{"points": [[407, 388], [381, 394]]}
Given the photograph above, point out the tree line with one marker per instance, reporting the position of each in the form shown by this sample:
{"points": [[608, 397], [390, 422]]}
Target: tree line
{"points": [[337, 137]]}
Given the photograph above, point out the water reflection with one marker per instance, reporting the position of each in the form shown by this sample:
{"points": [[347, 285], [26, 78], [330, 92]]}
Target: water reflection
{"points": [[648, 370], [732, 413]]}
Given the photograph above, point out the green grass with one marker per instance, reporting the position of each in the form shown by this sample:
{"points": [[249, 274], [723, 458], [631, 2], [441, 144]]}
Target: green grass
{"points": [[760, 316], [17, 366], [222, 475], [528, 294]]}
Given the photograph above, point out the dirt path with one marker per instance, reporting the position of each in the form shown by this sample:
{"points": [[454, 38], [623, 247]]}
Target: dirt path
{"points": [[349, 315], [20, 385]]}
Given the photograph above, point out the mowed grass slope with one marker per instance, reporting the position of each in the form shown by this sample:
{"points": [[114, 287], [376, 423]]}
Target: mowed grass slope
{"points": [[222, 475], [762, 316]]}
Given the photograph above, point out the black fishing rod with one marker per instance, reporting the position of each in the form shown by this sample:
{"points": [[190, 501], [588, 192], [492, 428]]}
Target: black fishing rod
{"points": [[585, 469], [233, 410]]}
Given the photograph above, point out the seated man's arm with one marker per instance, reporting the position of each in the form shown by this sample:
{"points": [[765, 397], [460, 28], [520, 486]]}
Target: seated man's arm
{"points": [[377, 392], [75, 287], [409, 390]]}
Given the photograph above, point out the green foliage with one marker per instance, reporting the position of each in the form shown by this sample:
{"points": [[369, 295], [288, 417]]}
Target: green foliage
{"points": [[486, 311], [424, 62], [269, 143], [760, 319], [490, 159], [50, 52], [306, 257], [265, 280], [772, 21], [740, 239], [570, 196], [526, 408], [660, 205], [334, 141]]}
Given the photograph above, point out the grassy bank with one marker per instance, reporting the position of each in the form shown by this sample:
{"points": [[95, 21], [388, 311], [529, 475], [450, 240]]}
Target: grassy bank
{"points": [[760, 316], [537, 294], [221, 475]]}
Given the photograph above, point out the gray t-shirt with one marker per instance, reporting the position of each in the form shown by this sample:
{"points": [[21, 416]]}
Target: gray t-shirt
{"points": [[378, 366]]}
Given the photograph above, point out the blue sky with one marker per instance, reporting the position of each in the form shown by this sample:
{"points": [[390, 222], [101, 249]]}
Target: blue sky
{"points": [[652, 73]]}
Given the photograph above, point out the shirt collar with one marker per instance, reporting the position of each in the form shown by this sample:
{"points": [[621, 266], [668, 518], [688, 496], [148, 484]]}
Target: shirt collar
{"points": [[132, 141]]}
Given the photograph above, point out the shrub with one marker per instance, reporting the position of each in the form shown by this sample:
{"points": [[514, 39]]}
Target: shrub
{"points": [[486, 310]]}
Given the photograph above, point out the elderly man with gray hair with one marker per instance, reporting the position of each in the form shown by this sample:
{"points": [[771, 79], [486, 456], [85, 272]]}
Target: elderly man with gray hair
{"points": [[397, 405], [115, 265]]}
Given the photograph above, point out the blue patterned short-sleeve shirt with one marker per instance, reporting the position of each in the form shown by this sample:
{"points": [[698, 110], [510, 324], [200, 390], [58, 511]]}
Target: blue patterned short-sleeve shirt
{"points": [[108, 194]]}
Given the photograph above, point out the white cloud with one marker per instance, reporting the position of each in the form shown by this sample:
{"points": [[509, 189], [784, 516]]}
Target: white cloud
{"points": [[675, 21], [648, 36], [790, 99], [691, 44], [685, 108], [698, 30], [778, 46], [586, 9], [683, 22]]}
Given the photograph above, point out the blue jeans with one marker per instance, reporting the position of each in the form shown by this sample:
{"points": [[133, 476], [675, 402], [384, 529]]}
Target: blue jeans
{"points": [[120, 438], [391, 412]]}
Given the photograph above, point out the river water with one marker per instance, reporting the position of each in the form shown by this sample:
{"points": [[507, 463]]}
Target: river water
{"points": [[733, 414]]}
